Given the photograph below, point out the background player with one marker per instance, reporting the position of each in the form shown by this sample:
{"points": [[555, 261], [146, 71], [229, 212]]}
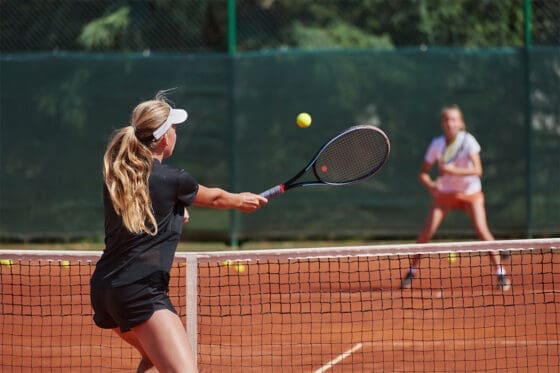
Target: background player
{"points": [[457, 154]]}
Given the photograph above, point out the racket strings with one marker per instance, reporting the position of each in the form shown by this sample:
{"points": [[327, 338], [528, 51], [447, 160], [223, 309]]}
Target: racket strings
{"points": [[352, 156]]}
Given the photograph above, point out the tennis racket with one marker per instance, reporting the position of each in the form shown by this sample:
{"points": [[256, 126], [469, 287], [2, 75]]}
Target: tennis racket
{"points": [[353, 155], [452, 150]]}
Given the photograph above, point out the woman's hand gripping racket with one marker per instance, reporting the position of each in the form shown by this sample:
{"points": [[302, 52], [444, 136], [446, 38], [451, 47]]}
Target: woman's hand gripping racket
{"points": [[351, 156]]}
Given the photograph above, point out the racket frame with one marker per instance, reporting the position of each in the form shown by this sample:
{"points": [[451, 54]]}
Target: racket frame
{"points": [[290, 184]]}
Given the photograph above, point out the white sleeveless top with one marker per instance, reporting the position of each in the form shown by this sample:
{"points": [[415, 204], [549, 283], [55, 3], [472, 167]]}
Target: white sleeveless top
{"points": [[456, 183]]}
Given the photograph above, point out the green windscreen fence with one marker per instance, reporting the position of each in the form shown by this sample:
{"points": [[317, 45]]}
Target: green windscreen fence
{"points": [[57, 112]]}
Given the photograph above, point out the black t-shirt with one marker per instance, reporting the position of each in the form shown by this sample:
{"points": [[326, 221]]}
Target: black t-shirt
{"points": [[130, 257]]}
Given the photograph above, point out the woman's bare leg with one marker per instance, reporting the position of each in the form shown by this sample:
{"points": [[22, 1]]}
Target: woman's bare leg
{"points": [[145, 365], [477, 213], [432, 223], [165, 342]]}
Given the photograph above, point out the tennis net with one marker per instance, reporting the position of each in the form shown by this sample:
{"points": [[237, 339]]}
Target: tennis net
{"points": [[338, 309]]}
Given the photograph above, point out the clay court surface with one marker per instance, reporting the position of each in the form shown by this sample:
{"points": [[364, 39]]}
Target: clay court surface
{"points": [[316, 315]]}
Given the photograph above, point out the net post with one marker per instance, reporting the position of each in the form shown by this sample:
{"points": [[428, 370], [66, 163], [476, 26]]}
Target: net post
{"points": [[192, 303]]}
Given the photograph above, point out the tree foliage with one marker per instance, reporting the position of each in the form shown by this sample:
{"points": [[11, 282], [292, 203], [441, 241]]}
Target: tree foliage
{"points": [[106, 32], [202, 25]]}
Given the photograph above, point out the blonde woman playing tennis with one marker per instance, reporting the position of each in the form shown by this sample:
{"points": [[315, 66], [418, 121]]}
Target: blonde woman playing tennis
{"points": [[458, 187], [145, 206]]}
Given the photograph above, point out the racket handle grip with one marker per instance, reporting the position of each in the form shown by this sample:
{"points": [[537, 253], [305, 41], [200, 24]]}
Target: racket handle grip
{"points": [[273, 192]]}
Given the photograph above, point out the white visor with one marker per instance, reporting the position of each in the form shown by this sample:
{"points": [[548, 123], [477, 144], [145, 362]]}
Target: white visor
{"points": [[176, 116]]}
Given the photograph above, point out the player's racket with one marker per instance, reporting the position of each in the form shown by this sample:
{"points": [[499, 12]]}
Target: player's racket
{"points": [[351, 156], [452, 150]]}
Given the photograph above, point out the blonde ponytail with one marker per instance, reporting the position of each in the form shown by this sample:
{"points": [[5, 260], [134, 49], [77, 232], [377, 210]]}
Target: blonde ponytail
{"points": [[127, 165]]}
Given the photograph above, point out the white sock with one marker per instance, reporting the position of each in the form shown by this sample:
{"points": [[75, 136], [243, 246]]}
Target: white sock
{"points": [[500, 271]]}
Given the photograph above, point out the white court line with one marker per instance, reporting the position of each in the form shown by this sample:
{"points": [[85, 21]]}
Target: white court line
{"points": [[339, 358], [468, 343], [432, 344]]}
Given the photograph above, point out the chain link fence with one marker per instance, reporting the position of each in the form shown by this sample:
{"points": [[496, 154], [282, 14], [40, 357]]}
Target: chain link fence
{"points": [[546, 22], [191, 26]]}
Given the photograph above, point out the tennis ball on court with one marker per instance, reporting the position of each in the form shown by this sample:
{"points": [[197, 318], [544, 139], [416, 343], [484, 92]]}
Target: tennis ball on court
{"points": [[452, 257], [240, 268], [6, 262], [303, 120], [65, 263]]}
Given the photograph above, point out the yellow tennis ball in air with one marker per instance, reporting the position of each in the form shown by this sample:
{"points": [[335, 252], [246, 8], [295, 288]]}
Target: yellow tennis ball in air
{"points": [[65, 263], [303, 120], [240, 268], [6, 262], [452, 257]]}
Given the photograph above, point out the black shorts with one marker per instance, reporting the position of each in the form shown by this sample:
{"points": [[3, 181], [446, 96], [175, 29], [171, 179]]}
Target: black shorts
{"points": [[130, 305]]}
